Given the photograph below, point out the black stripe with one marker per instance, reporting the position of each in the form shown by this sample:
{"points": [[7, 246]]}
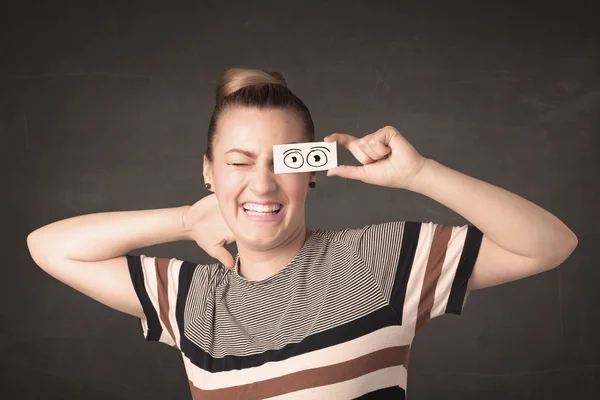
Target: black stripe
{"points": [[186, 273], [410, 239], [394, 392], [464, 270], [372, 322], [137, 278]]}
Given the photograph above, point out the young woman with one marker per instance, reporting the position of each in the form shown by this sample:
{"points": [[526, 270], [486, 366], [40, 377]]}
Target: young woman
{"points": [[299, 313]]}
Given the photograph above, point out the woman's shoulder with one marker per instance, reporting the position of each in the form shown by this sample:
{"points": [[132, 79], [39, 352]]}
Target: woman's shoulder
{"points": [[340, 232], [175, 266], [354, 235], [341, 235]]}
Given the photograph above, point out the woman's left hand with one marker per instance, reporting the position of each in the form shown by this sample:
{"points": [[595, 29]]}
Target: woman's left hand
{"points": [[388, 158]]}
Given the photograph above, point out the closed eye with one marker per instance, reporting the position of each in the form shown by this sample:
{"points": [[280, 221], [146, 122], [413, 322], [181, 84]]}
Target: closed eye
{"points": [[237, 164]]}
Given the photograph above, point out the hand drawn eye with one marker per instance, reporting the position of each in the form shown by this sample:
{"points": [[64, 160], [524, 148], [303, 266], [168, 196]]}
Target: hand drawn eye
{"points": [[293, 160], [316, 158]]}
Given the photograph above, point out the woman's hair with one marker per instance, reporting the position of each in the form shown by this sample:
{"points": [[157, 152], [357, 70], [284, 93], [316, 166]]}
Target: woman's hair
{"points": [[260, 89]]}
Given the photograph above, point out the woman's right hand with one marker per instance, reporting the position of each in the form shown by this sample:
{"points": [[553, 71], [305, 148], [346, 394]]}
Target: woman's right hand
{"points": [[208, 228]]}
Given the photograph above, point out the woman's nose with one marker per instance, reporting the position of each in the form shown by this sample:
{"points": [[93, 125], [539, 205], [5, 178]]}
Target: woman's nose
{"points": [[264, 180]]}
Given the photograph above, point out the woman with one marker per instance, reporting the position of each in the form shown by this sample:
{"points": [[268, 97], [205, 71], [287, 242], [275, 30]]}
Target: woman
{"points": [[299, 313]]}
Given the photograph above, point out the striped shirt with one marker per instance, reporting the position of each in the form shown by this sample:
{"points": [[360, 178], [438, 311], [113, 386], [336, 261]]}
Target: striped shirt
{"points": [[336, 323]]}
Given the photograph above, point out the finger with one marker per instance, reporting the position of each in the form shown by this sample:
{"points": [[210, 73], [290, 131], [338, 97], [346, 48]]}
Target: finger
{"points": [[352, 144], [376, 148], [341, 138], [393, 138], [221, 254], [366, 145], [360, 154], [348, 171]]}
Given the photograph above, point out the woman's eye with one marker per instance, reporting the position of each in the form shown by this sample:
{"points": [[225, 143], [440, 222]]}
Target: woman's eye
{"points": [[237, 164]]}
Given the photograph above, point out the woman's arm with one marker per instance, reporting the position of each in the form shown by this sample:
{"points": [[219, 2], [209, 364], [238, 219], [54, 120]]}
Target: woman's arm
{"points": [[509, 220], [520, 238], [87, 252], [100, 236]]}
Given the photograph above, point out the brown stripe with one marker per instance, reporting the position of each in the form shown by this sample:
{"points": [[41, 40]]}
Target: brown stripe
{"points": [[310, 378], [433, 271], [162, 282]]}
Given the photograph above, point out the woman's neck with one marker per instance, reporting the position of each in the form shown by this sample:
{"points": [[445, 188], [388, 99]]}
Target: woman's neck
{"points": [[259, 265]]}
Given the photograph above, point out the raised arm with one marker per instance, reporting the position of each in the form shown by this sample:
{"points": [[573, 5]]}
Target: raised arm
{"points": [[88, 252]]}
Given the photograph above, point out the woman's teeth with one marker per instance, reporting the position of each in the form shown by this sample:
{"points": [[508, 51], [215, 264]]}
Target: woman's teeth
{"points": [[261, 213], [261, 210]]}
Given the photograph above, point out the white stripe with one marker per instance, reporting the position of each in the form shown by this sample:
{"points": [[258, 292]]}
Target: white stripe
{"points": [[144, 323], [174, 269], [417, 276]]}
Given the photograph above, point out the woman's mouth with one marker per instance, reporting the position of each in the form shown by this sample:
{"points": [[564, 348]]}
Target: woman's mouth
{"points": [[265, 214]]}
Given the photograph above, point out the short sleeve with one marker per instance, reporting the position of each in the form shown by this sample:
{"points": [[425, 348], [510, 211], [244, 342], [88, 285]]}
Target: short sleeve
{"points": [[422, 268], [162, 286]]}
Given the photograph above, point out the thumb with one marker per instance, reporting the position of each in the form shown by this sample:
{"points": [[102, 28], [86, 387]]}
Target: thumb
{"points": [[342, 139], [347, 171], [221, 254]]}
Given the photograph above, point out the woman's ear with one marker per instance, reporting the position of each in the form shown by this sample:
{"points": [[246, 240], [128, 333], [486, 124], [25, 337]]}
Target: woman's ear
{"points": [[207, 170]]}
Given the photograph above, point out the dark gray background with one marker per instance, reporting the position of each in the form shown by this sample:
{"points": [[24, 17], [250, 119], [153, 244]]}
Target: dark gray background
{"points": [[105, 107]]}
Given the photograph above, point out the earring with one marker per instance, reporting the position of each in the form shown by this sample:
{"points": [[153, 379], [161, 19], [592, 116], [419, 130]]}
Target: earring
{"points": [[312, 184], [207, 185]]}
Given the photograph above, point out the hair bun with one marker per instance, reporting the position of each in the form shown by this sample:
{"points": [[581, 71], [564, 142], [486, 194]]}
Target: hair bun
{"points": [[279, 78], [235, 79]]}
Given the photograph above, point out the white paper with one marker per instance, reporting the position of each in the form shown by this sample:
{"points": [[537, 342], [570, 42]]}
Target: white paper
{"points": [[304, 157]]}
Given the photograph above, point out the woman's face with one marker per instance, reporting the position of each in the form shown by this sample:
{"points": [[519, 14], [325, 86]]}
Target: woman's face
{"points": [[245, 136]]}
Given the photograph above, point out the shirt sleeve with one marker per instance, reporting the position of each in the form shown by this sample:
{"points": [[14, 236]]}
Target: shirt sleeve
{"points": [[161, 285], [421, 268]]}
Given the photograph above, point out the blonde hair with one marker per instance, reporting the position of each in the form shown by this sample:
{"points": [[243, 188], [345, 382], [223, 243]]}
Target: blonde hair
{"points": [[255, 88], [235, 79]]}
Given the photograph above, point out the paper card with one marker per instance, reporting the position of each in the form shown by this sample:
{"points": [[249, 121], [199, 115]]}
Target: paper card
{"points": [[304, 157]]}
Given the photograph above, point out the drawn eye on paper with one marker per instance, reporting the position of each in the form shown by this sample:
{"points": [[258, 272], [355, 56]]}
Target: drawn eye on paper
{"points": [[304, 157]]}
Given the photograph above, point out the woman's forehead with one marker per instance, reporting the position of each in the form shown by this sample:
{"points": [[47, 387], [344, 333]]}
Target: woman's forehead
{"points": [[248, 152], [258, 130]]}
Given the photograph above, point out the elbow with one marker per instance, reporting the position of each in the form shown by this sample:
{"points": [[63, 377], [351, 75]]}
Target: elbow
{"points": [[31, 236], [575, 241], [36, 247], [561, 257], [31, 245], [31, 240]]}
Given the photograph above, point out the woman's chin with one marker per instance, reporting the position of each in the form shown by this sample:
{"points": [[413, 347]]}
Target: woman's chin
{"points": [[257, 236]]}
